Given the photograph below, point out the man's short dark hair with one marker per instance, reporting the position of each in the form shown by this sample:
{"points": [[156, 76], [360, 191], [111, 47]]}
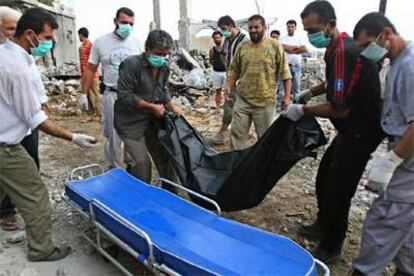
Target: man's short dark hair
{"points": [[373, 23], [216, 33], [322, 8], [159, 39], [35, 19], [84, 32], [275, 32], [124, 10], [258, 17], [226, 20], [291, 21]]}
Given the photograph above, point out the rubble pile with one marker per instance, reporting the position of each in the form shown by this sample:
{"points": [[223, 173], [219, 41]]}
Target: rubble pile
{"points": [[313, 73], [63, 96], [67, 69], [189, 71]]}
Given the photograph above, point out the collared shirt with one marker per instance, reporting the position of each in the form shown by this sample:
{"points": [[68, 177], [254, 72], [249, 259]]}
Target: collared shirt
{"points": [[398, 109], [20, 108], [110, 51], [258, 67], [84, 54], [136, 83]]}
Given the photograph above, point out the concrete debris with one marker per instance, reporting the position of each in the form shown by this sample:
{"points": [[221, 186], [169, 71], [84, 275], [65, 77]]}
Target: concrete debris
{"points": [[313, 73], [29, 272], [186, 71], [67, 69], [17, 237]]}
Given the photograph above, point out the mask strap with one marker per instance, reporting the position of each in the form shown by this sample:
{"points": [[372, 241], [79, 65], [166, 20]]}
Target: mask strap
{"points": [[31, 41]]}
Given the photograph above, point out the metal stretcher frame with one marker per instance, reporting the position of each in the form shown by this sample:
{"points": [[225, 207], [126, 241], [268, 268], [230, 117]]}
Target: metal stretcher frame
{"points": [[150, 262]]}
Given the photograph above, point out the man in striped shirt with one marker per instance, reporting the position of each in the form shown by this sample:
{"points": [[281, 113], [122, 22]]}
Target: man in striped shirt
{"points": [[353, 105], [233, 38]]}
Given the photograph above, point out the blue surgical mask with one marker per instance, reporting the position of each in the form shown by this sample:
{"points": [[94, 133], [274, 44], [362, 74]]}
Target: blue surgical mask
{"points": [[319, 40], [124, 30], [374, 52], [42, 49], [157, 61], [226, 34]]}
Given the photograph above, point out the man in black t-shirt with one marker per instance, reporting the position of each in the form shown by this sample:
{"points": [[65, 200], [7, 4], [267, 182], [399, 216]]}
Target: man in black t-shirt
{"points": [[353, 104], [217, 59]]}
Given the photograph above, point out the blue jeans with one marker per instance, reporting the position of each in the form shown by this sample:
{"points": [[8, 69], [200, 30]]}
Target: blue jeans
{"points": [[296, 72]]}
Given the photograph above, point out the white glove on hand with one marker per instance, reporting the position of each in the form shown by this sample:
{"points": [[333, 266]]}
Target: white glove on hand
{"points": [[83, 101], [294, 112], [383, 168], [304, 96], [83, 140]]}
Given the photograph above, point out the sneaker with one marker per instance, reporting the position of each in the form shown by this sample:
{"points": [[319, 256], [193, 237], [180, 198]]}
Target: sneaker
{"points": [[327, 255], [218, 139], [311, 230], [59, 253]]}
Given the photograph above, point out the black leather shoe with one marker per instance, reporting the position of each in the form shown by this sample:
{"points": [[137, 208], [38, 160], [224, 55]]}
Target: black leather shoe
{"points": [[311, 230]]}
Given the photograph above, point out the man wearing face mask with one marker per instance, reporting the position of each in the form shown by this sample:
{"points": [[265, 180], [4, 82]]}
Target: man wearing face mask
{"points": [[353, 105], [388, 233], [20, 112], [143, 97], [257, 66], [110, 50], [233, 37]]}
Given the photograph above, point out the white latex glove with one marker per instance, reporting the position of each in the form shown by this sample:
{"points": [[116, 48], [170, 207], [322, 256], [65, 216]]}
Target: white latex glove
{"points": [[84, 141], [294, 112], [383, 168], [83, 101], [304, 96]]}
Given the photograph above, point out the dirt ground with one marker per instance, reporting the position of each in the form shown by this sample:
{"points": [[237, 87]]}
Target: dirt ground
{"points": [[290, 204]]}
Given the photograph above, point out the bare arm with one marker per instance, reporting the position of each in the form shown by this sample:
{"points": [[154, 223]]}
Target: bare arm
{"points": [[405, 147], [318, 90], [231, 83], [88, 77], [53, 129], [325, 110], [287, 84], [289, 49]]}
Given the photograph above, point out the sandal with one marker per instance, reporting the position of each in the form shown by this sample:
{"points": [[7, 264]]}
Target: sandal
{"points": [[10, 224]]}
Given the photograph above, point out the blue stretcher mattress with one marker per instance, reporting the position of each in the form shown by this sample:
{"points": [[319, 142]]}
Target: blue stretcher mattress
{"points": [[187, 238]]}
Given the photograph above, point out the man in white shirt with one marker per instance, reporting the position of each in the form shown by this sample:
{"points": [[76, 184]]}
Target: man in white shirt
{"points": [[294, 47], [8, 22], [109, 51], [20, 112]]}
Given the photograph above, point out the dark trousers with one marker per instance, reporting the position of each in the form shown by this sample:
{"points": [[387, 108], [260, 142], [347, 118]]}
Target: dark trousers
{"points": [[31, 144], [336, 182], [148, 148]]}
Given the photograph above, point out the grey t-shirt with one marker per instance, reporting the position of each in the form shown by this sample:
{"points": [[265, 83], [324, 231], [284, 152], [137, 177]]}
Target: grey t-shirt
{"points": [[111, 50], [398, 112], [398, 108]]}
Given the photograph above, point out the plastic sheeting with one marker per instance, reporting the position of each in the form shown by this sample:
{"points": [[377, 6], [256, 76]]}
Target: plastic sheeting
{"points": [[239, 180]]}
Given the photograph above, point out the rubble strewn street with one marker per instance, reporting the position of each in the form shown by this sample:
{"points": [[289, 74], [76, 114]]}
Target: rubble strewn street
{"points": [[280, 213]]}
